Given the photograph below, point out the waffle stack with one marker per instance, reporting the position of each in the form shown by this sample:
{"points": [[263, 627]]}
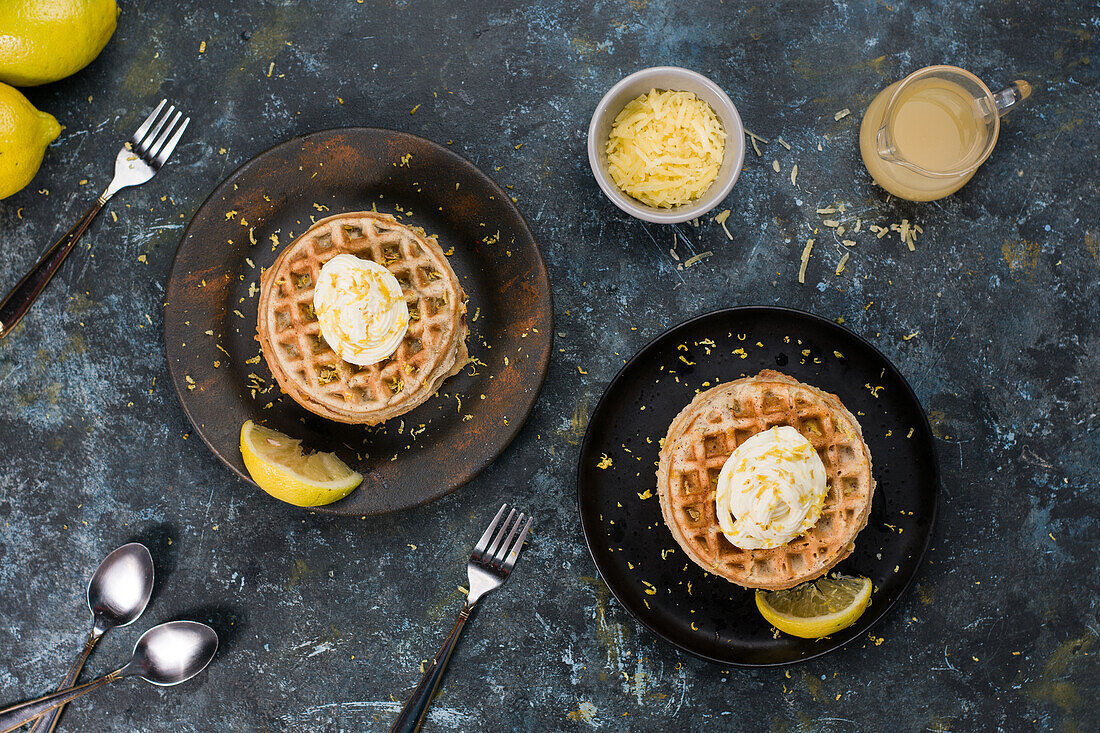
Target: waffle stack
{"points": [[706, 433], [434, 348]]}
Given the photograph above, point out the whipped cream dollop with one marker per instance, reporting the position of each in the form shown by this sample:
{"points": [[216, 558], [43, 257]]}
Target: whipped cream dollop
{"points": [[361, 309], [771, 489]]}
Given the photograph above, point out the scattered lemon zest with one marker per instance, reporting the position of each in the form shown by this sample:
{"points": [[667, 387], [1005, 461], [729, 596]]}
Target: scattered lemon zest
{"points": [[805, 260], [843, 261]]}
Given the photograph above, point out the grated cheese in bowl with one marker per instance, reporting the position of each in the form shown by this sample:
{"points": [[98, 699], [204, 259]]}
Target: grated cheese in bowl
{"points": [[665, 148]]}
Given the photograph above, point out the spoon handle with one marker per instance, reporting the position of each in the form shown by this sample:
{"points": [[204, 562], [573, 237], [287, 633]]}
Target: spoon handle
{"points": [[46, 723], [17, 715]]}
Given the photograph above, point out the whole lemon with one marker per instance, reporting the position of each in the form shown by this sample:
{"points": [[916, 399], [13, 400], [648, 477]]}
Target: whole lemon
{"points": [[46, 40], [24, 134]]}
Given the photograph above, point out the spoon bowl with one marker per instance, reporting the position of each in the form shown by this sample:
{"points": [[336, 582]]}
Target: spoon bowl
{"points": [[121, 586], [172, 653]]}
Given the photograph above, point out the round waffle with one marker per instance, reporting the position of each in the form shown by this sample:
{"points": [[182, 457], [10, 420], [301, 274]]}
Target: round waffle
{"points": [[706, 433], [307, 369]]}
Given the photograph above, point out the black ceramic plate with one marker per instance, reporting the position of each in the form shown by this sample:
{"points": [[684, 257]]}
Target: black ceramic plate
{"points": [[636, 554], [210, 316]]}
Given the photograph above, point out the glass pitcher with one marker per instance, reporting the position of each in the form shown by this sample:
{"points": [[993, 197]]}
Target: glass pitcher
{"points": [[923, 137]]}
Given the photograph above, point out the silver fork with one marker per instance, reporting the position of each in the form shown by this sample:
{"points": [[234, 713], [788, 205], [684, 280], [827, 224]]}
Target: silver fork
{"points": [[138, 161], [490, 564]]}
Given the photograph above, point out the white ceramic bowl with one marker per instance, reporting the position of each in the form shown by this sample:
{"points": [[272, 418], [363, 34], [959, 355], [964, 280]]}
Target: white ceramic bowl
{"points": [[680, 80]]}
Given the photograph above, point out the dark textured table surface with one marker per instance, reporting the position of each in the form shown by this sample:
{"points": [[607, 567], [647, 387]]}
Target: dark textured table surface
{"points": [[993, 319]]}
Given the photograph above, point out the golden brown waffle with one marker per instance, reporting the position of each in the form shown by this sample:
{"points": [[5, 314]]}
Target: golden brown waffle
{"points": [[706, 433], [307, 369]]}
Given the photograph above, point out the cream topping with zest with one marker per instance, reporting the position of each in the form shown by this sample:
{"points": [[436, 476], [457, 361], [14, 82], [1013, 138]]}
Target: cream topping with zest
{"points": [[771, 490], [361, 309]]}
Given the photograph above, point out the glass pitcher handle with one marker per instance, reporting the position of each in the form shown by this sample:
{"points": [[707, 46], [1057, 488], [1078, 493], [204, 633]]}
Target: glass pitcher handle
{"points": [[1011, 96]]}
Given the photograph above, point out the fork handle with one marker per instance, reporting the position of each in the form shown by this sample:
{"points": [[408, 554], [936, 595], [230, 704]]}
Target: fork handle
{"points": [[416, 709], [22, 296]]}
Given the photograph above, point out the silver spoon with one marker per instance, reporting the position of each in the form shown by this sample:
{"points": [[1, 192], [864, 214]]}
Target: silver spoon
{"points": [[164, 655], [117, 595]]}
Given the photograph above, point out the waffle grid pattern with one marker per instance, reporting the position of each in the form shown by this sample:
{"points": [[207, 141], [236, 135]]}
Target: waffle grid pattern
{"points": [[311, 372], [707, 432]]}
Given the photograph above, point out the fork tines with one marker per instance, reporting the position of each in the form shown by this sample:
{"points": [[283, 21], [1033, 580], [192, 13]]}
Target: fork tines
{"points": [[156, 145], [499, 547]]}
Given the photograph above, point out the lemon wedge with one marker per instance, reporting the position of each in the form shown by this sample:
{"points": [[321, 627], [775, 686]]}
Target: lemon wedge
{"points": [[820, 608], [280, 467]]}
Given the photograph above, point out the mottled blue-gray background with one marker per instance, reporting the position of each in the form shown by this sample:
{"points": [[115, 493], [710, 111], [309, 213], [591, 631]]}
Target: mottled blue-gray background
{"points": [[325, 621]]}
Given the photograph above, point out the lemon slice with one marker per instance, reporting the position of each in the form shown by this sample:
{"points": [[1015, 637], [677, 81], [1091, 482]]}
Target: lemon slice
{"points": [[820, 608], [279, 466]]}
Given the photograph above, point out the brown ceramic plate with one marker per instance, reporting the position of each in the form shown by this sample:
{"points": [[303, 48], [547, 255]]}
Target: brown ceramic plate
{"points": [[210, 316]]}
